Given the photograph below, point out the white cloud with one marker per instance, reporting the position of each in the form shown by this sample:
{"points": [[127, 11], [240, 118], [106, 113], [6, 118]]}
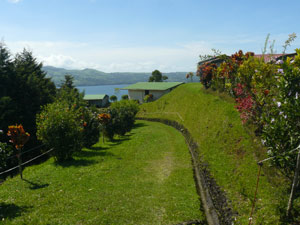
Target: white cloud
{"points": [[78, 55], [14, 1]]}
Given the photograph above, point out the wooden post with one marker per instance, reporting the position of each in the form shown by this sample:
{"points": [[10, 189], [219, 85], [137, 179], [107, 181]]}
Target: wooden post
{"points": [[294, 185], [20, 164], [260, 164]]}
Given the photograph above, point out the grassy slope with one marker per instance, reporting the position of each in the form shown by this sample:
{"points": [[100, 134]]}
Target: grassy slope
{"points": [[145, 178], [226, 146]]}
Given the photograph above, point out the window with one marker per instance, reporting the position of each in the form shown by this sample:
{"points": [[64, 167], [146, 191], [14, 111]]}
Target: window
{"points": [[146, 92]]}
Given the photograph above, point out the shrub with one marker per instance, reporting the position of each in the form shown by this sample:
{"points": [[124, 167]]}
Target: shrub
{"points": [[113, 98], [148, 98], [5, 152], [124, 97], [60, 127], [281, 131], [106, 125], [206, 72], [122, 117], [91, 128]]}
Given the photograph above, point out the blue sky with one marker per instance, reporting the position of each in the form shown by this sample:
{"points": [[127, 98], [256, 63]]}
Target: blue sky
{"points": [[143, 35]]}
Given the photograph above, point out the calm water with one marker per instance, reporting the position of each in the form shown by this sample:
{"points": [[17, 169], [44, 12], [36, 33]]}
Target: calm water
{"points": [[104, 89]]}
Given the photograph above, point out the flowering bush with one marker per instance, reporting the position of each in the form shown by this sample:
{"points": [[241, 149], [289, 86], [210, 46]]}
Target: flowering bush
{"points": [[119, 118], [91, 128], [281, 130], [245, 103], [106, 123], [266, 94], [205, 72]]}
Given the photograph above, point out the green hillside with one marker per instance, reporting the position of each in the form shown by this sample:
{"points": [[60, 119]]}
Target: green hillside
{"points": [[87, 77], [229, 150]]}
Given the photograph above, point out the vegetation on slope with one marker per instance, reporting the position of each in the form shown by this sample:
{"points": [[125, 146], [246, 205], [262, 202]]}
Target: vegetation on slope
{"points": [[144, 178], [229, 149]]}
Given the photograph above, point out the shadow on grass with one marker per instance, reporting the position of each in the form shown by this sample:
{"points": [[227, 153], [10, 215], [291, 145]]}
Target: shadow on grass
{"points": [[139, 124], [119, 140], [76, 163], [90, 153], [35, 186], [98, 148], [10, 211]]}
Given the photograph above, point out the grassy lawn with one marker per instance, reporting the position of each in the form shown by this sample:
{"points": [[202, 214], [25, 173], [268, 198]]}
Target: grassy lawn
{"points": [[143, 178], [229, 149]]}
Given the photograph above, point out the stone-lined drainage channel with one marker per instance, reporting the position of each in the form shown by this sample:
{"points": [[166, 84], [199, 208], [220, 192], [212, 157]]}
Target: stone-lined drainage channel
{"points": [[213, 199]]}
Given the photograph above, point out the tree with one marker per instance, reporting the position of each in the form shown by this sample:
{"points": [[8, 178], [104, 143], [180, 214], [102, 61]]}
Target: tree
{"points": [[113, 98], [157, 76], [124, 97], [24, 88], [68, 92], [7, 77], [68, 83], [31, 79], [189, 75]]}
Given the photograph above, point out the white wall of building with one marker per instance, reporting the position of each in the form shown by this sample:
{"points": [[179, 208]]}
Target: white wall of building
{"points": [[158, 94], [140, 94], [136, 95]]}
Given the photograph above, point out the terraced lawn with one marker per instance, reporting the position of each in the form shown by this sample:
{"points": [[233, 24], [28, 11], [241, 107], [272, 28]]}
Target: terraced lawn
{"points": [[143, 178]]}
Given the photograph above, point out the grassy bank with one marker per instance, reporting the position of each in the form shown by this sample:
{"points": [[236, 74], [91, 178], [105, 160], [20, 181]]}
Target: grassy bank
{"points": [[143, 178], [230, 151]]}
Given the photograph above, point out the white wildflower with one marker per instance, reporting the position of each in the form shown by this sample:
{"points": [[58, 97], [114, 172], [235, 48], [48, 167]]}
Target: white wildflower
{"points": [[280, 71], [269, 152], [279, 62], [278, 104]]}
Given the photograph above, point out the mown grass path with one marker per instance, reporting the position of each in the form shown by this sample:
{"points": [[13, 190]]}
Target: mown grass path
{"points": [[143, 178]]}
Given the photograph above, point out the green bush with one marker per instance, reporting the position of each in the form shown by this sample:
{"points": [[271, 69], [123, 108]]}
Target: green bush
{"points": [[113, 98], [124, 97], [60, 126], [123, 115], [5, 152], [148, 98]]}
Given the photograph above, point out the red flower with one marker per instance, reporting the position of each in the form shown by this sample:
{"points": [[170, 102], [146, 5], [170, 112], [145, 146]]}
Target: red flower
{"points": [[18, 136], [266, 92]]}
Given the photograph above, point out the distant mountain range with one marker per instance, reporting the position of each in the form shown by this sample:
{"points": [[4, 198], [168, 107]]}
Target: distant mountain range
{"points": [[90, 77]]}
